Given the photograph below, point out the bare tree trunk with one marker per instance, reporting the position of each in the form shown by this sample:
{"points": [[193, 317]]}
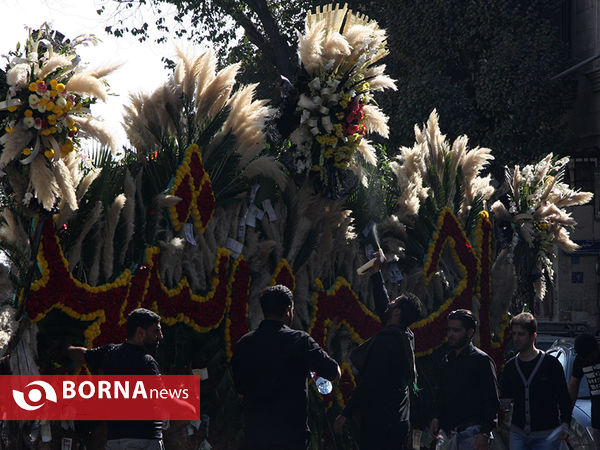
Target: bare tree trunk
{"points": [[281, 53], [272, 43]]}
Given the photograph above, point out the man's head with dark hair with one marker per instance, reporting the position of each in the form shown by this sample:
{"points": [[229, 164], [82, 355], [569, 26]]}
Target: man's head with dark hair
{"points": [[410, 307], [276, 301], [525, 320], [523, 328], [143, 328], [586, 347], [461, 328], [465, 316], [140, 317]]}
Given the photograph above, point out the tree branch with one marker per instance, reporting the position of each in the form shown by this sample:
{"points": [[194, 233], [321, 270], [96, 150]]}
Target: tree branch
{"points": [[280, 52]]}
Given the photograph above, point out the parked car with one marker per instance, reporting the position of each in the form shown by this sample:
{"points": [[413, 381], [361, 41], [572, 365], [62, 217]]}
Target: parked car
{"points": [[580, 434]]}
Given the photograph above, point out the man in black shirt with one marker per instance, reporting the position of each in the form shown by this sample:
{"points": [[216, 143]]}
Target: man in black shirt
{"points": [[381, 398], [270, 370], [467, 399], [132, 357], [587, 363], [535, 382]]}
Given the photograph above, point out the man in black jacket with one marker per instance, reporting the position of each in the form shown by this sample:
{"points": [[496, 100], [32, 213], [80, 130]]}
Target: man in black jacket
{"points": [[535, 382], [270, 370], [386, 374], [132, 357], [467, 399]]}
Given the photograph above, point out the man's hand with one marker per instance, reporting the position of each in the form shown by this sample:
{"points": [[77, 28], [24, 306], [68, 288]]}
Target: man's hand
{"points": [[338, 424], [379, 260], [481, 442], [434, 428], [77, 354]]}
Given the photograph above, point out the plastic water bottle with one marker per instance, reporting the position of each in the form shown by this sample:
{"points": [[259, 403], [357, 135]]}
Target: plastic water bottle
{"points": [[324, 386]]}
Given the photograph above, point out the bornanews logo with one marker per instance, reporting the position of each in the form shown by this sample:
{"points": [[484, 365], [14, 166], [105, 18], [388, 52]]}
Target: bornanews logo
{"points": [[34, 396], [96, 397]]}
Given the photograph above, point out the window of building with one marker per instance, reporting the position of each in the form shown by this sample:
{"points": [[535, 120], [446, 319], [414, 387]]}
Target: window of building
{"points": [[576, 277], [580, 173]]}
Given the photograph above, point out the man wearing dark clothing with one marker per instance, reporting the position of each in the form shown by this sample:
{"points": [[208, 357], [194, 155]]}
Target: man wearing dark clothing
{"points": [[132, 357], [270, 370], [587, 362], [386, 373], [535, 382], [467, 399]]}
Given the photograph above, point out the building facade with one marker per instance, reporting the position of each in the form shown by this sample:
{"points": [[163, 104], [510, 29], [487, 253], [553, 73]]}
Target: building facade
{"points": [[577, 285]]}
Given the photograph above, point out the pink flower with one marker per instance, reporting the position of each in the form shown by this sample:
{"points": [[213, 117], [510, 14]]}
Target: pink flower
{"points": [[38, 124], [41, 87]]}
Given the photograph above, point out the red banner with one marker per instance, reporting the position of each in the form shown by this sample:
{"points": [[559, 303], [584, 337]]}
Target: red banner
{"points": [[99, 397]]}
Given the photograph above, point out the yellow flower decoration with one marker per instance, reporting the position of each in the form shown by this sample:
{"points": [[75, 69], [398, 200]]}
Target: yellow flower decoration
{"points": [[67, 147]]}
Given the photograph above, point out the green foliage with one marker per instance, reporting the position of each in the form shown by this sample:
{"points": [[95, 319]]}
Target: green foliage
{"points": [[378, 198], [485, 65], [18, 263]]}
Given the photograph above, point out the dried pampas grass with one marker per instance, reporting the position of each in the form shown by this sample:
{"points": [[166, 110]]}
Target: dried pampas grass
{"points": [[14, 143], [44, 183], [367, 151], [86, 182], [85, 83], [185, 72], [269, 167], [310, 47], [65, 182], [56, 62], [204, 69], [96, 129], [432, 151], [376, 121], [216, 94], [13, 231], [112, 219]]}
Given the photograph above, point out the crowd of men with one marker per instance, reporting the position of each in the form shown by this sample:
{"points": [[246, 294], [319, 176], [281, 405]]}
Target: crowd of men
{"points": [[271, 365]]}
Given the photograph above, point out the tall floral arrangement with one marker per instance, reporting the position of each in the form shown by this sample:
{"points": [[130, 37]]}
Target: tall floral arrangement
{"points": [[44, 113], [338, 52], [431, 175], [447, 174], [537, 202]]}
